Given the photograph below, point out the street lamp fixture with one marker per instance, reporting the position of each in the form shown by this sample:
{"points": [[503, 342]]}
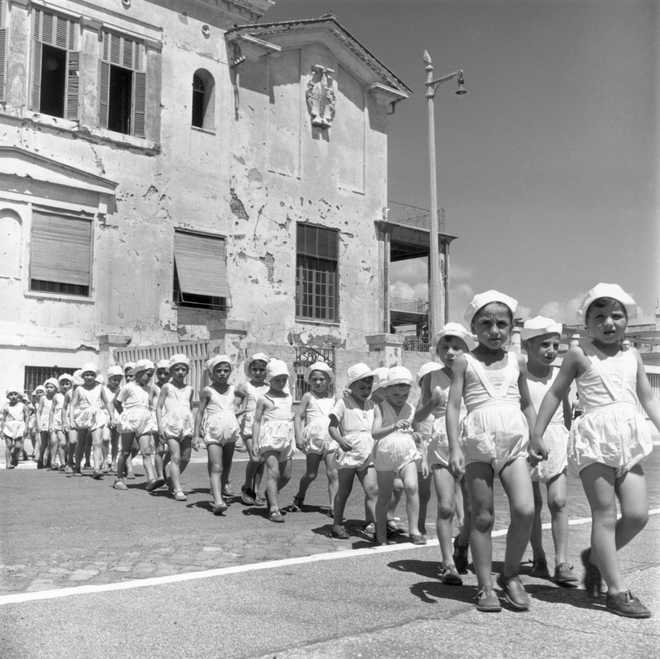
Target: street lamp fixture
{"points": [[437, 306]]}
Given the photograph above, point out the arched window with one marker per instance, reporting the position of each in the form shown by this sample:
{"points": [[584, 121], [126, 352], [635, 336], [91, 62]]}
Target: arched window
{"points": [[203, 88]]}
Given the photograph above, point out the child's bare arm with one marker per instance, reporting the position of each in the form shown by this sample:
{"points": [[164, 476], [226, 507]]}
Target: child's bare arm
{"points": [[203, 402], [299, 419], [456, 457], [256, 429], [378, 430], [645, 394], [568, 416], [162, 396]]}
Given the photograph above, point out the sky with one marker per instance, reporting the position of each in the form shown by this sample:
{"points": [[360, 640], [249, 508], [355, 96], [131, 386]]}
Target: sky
{"points": [[548, 168]]}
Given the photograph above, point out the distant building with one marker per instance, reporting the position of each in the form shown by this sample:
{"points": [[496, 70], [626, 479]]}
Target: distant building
{"points": [[179, 172]]}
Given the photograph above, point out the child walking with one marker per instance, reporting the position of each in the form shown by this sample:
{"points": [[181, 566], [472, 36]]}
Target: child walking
{"points": [[540, 338], [58, 420], [312, 437], [44, 417], [609, 440], [494, 442], [249, 392], [13, 424], [113, 388], [160, 443], [396, 453], [452, 341], [176, 423], [273, 435], [135, 403], [216, 424], [351, 424]]}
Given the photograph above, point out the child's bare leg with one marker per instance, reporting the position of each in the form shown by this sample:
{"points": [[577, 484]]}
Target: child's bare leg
{"points": [[125, 441], [445, 489], [409, 477], [385, 480], [146, 448], [97, 450], [464, 532], [479, 477], [185, 446], [172, 469], [633, 499], [214, 453], [44, 437], [345, 485], [424, 485], [72, 448], [369, 481], [536, 536], [397, 491], [61, 448], [227, 457], [114, 445], [312, 462], [285, 473], [333, 476], [53, 448], [559, 517], [8, 443], [272, 466], [80, 448], [518, 487], [88, 450]]}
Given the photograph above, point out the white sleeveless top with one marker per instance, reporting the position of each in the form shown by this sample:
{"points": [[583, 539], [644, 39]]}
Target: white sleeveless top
{"points": [[538, 387], [484, 385], [220, 403], [319, 408]]}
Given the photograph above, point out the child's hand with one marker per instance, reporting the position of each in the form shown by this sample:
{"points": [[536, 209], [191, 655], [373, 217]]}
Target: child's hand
{"points": [[537, 450], [457, 462], [300, 445], [425, 468], [402, 424], [343, 443], [254, 456]]}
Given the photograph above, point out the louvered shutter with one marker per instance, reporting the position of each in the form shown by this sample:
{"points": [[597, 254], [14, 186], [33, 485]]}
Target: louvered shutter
{"points": [[201, 264], [104, 93], [72, 85], [139, 102], [60, 249], [35, 97], [3, 61]]}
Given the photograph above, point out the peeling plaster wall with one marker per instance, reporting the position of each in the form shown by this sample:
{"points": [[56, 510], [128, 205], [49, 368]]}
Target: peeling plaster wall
{"points": [[250, 180]]}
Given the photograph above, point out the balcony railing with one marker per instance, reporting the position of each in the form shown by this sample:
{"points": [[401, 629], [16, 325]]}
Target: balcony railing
{"points": [[409, 305]]}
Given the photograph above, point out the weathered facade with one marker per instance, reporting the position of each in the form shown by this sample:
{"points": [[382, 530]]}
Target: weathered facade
{"points": [[174, 171]]}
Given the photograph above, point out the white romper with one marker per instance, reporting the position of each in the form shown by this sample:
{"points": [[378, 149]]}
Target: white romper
{"points": [[495, 429], [355, 425], [14, 426], [86, 414], [276, 430], [177, 419], [136, 416], [397, 449], [219, 424], [555, 436], [58, 406], [316, 437], [611, 431], [44, 414], [247, 418]]}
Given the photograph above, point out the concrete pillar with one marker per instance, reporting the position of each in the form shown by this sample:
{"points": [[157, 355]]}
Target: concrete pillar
{"points": [[230, 339], [106, 343], [385, 349]]}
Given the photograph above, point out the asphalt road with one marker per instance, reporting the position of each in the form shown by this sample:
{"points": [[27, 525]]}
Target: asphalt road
{"points": [[324, 597]]}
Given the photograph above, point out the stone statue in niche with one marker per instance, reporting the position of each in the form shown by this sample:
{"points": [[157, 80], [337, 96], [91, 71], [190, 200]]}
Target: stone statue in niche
{"points": [[321, 96]]}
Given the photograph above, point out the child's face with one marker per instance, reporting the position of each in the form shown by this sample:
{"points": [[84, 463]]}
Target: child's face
{"points": [[179, 372], [362, 388], [50, 390], [89, 378], [318, 382], [492, 325], [144, 376], [542, 350], [278, 382], [114, 381], [606, 320], [221, 373], [258, 370], [162, 375], [377, 395], [65, 385], [128, 375], [12, 397], [397, 394], [450, 347]]}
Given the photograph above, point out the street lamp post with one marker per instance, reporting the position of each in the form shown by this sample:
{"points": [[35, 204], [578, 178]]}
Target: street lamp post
{"points": [[435, 287]]}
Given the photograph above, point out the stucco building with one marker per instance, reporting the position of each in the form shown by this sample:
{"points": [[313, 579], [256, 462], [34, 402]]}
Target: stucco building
{"points": [[186, 171]]}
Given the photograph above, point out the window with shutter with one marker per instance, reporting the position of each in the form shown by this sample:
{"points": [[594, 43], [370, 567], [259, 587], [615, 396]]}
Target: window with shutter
{"points": [[122, 85], [60, 253], [55, 65]]}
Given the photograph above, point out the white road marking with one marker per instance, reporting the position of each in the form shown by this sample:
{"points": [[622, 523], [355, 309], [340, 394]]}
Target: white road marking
{"points": [[19, 598]]}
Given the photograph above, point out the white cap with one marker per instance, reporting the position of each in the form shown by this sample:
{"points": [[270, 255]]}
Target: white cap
{"points": [[14, 390], [115, 369], [53, 382], [539, 326], [89, 367], [39, 389], [65, 376], [380, 378], [457, 330], [613, 291], [319, 366], [275, 368], [257, 357], [426, 368], [357, 372], [142, 365], [179, 358], [399, 375], [480, 300], [77, 377], [163, 363], [215, 360]]}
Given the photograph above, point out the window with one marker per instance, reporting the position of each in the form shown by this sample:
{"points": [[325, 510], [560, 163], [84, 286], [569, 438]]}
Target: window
{"points": [[200, 271], [55, 65], [60, 253], [316, 273], [122, 85], [202, 99], [36, 375]]}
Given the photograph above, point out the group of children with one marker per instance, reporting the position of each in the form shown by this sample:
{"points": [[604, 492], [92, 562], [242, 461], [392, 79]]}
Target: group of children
{"points": [[484, 412]]}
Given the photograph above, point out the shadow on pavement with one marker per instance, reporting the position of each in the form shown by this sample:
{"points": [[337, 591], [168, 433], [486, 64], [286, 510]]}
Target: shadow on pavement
{"points": [[571, 596]]}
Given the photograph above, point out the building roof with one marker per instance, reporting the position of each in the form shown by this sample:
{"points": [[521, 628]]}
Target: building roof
{"points": [[330, 25]]}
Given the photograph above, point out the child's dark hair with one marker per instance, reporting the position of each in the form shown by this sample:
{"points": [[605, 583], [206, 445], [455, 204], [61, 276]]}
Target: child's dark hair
{"points": [[601, 302], [500, 306]]}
